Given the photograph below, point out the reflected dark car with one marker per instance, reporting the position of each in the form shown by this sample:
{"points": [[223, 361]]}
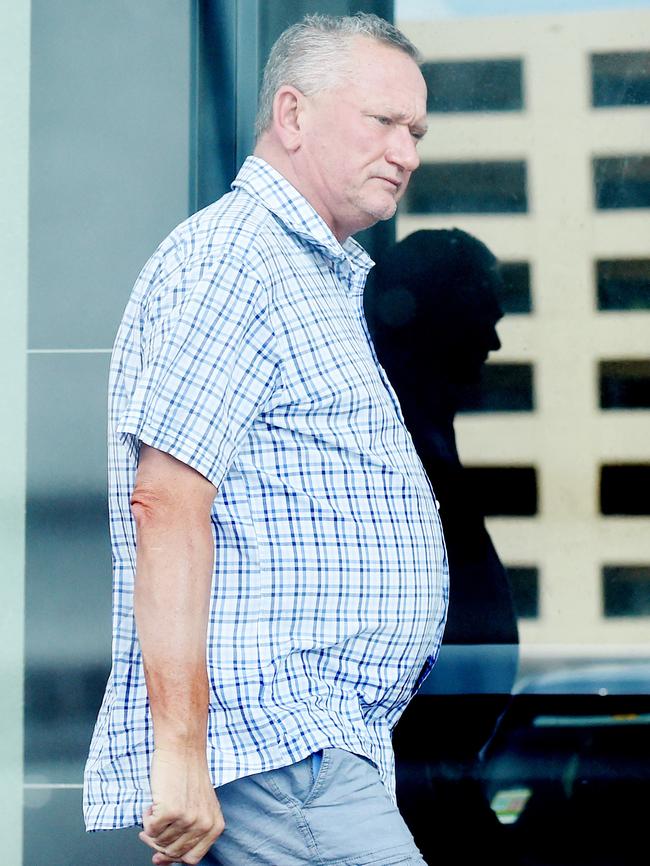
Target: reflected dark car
{"points": [[567, 771]]}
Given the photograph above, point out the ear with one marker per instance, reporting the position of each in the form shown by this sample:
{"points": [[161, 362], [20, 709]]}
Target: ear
{"points": [[287, 116]]}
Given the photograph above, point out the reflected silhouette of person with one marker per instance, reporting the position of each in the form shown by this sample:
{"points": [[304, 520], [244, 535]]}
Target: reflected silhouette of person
{"points": [[432, 307]]}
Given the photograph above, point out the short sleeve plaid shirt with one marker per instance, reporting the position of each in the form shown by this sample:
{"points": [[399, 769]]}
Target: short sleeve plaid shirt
{"points": [[243, 352]]}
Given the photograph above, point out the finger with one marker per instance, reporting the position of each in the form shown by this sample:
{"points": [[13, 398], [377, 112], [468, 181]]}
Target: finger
{"points": [[166, 828], [196, 854], [162, 823], [161, 860], [180, 847], [158, 849], [203, 845], [191, 847], [172, 834]]}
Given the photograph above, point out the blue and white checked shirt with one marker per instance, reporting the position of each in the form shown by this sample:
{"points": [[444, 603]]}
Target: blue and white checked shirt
{"points": [[243, 352]]}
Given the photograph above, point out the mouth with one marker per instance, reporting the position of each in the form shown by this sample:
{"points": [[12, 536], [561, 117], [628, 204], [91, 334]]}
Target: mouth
{"points": [[395, 184]]}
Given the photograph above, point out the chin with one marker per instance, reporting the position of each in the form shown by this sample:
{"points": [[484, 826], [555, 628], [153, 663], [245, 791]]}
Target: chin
{"points": [[383, 211]]}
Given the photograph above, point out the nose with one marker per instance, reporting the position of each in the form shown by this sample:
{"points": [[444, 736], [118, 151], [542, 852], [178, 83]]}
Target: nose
{"points": [[402, 150], [495, 342]]}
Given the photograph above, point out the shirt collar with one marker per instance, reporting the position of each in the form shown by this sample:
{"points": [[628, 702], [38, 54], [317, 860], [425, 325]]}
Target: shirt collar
{"points": [[262, 181]]}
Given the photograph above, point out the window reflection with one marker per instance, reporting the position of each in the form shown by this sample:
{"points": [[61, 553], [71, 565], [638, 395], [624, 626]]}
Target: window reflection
{"points": [[625, 384], [625, 489], [524, 581], [515, 294], [474, 85], [523, 153], [620, 78], [623, 284], [626, 590], [468, 187], [504, 490], [502, 388], [622, 182]]}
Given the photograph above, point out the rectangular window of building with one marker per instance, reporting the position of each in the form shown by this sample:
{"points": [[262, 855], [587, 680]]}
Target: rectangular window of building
{"points": [[474, 85], [524, 583], [623, 284], [626, 590], [621, 78], [625, 489], [501, 388], [506, 491], [621, 182], [624, 384], [468, 187], [514, 294]]}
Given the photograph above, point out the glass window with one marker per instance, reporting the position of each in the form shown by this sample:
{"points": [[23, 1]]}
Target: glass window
{"points": [[468, 187], [620, 78], [474, 85], [502, 388], [524, 582], [624, 384], [514, 295], [504, 490], [622, 182], [626, 590], [625, 488], [623, 284]]}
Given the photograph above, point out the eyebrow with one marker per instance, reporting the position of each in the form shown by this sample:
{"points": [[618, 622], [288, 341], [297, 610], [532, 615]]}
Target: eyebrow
{"points": [[418, 128]]}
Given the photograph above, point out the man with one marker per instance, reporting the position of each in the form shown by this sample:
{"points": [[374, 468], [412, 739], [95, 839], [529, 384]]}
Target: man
{"points": [[276, 543]]}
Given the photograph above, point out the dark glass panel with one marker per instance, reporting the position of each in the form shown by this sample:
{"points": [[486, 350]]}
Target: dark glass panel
{"points": [[622, 182], [504, 490], [474, 85], [625, 489], [623, 284], [514, 295], [524, 582], [625, 384], [621, 78], [502, 388], [626, 590], [468, 187]]}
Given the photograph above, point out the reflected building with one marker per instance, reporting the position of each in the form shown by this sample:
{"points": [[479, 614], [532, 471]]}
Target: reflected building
{"points": [[539, 145]]}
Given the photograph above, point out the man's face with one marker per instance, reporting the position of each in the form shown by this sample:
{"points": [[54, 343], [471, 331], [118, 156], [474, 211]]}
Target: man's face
{"points": [[358, 146]]}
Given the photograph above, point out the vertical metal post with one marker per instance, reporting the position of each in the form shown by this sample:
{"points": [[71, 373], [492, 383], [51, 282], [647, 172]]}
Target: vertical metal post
{"points": [[247, 73], [215, 100], [14, 180]]}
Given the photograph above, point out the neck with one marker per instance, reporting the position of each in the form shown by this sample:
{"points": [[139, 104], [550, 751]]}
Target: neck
{"points": [[287, 164]]}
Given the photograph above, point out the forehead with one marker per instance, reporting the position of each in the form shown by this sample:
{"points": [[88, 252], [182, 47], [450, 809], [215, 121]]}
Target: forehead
{"points": [[380, 71]]}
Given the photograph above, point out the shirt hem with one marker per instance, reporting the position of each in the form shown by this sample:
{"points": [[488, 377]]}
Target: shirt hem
{"points": [[113, 816]]}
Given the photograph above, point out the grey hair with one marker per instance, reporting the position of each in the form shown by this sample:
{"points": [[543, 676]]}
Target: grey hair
{"points": [[313, 55]]}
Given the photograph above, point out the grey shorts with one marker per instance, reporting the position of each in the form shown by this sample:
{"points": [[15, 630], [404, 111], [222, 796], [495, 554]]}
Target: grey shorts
{"points": [[324, 811]]}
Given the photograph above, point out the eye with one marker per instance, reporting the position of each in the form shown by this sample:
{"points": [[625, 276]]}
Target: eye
{"points": [[385, 121]]}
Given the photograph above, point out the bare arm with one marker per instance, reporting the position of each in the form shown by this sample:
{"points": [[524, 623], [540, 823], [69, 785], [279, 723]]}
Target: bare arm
{"points": [[171, 506]]}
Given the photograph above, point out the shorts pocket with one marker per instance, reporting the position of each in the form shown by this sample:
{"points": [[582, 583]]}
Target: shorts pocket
{"points": [[300, 783]]}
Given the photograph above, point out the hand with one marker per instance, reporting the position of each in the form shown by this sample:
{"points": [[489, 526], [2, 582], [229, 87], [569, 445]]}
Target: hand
{"points": [[184, 818]]}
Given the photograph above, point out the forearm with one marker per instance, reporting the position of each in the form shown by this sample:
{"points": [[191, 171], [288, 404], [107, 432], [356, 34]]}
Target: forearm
{"points": [[171, 506], [175, 555], [172, 591]]}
